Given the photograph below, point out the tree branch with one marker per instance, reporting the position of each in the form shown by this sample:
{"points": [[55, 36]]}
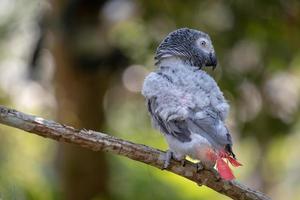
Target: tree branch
{"points": [[97, 141]]}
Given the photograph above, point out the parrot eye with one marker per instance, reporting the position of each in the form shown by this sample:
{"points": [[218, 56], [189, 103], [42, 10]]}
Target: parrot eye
{"points": [[203, 43]]}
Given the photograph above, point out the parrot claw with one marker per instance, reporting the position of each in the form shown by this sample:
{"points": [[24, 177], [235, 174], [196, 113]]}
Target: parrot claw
{"points": [[183, 162], [217, 175], [171, 155], [168, 157], [199, 167]]}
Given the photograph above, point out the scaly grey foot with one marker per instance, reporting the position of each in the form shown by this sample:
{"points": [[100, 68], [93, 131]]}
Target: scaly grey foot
{"points": [[182, 162], [168, 157], [199, 166], [217, 175]]}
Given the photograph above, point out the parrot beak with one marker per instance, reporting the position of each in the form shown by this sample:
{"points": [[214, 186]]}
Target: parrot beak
{"points": [[212, 61]]}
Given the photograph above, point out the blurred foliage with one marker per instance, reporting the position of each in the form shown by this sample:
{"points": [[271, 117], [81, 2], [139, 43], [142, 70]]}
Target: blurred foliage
{"points": [[258, 46]]}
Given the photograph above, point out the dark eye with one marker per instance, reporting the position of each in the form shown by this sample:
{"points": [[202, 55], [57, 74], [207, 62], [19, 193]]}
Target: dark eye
{"points": [[203, 43]]}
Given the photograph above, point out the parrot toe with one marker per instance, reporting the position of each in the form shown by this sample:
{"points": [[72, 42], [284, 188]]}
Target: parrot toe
{"points": [[199, 166], [172, 155], [168, 157], [183, 162]]}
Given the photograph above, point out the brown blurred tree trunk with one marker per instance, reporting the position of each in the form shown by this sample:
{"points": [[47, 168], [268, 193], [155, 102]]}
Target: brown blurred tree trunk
{"points": [[81, 80], [84, 174]]}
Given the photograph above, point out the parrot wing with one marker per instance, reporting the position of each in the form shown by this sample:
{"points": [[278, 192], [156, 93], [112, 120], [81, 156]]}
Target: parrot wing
{"points": [[174, 112], [177, 127], [212, 127], [182, 124]]}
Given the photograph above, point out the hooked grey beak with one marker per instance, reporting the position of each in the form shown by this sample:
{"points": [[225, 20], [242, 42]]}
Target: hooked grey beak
{"points": [[212, 61]]}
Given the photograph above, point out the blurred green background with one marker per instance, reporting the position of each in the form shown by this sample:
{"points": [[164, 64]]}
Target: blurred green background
{"points": [[83, 62]]}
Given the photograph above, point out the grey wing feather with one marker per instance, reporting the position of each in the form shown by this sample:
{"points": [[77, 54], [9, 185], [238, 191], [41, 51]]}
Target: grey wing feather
{"points": [[182, 129], [176, 128], [209, 126], [217, 134]]}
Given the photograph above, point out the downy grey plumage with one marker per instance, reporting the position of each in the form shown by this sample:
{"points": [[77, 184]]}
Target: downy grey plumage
{"points": [[185, 103]]}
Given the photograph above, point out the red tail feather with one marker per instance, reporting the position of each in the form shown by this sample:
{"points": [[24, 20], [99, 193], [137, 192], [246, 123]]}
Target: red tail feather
{"points": [[228, 157], [234, 162], [224, 170]]}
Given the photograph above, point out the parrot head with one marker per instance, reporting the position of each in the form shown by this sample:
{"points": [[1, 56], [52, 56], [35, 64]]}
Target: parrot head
{"points": [[191, 46]]}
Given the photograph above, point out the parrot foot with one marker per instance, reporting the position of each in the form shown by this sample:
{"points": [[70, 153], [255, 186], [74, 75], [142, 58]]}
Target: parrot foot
{"points": [[182, 162], [199, 166], [217, 175], [169, 155]]}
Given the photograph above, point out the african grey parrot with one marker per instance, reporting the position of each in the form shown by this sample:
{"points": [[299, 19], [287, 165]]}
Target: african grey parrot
{"points": [[186, 104]]}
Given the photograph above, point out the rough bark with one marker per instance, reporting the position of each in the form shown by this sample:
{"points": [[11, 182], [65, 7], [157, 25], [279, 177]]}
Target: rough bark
{"points": [[97, 141]]}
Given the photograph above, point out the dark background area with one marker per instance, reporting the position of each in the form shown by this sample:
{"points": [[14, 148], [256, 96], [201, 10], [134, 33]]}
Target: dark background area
{"points": [[83, 63]]}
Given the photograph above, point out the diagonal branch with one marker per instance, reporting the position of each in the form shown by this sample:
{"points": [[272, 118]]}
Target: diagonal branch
{"points": [[97, 141]]}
